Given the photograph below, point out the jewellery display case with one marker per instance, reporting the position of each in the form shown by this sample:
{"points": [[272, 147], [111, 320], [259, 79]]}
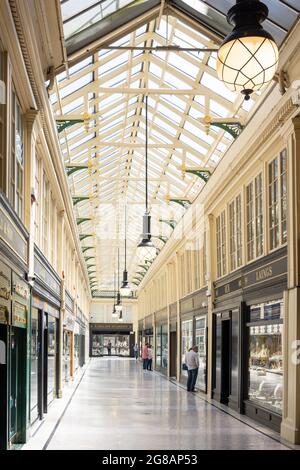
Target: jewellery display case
{"points": [[265, 386], [201, 343]]}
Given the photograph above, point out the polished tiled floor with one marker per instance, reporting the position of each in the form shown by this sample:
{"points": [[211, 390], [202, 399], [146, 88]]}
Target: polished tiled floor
{"points": [[117, 405]]}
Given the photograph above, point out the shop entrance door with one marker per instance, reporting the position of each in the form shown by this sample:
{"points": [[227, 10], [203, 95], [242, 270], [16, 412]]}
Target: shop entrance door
{"points": [[3, 386], [173, 353], [17, 383], [225, 361]]}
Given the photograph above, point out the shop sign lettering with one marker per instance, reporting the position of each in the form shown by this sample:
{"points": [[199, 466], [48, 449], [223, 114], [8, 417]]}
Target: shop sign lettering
{"points": [[4, 286], [3, 314], [22, 290], [19, 315], [264, 273], [11, 236], [2, 353]]}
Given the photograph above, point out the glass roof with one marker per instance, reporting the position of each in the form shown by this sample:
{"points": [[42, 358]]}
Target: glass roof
{"points": [[108, 90]]}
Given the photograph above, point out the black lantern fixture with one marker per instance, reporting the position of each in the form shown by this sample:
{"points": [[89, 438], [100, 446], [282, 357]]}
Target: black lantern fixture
{"points": [[125, 289], [114, 312], [248, 56], [146, 248], [118, 304]]}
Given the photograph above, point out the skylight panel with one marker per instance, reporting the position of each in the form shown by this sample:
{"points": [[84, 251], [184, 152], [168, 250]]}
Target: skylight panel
{"points": [[76, 85], [168, 113], [217, 87], [218, 109], [197, 131], [155, 70], [184, 138], [175, 101], [81, 141], [112, 64], [177, 61], [175, 82], [165, 126]]}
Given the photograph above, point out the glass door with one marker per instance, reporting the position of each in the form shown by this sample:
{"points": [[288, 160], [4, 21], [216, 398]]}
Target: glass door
{"points": [[186, 341], [13, 385], [201, 343]]}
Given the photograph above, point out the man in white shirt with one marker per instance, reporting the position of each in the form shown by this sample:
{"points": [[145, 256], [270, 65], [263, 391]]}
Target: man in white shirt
{"points": [[192, 362]]}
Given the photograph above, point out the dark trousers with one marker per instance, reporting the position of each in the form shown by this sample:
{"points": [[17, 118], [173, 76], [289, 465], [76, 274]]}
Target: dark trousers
{"points": [[192, 378], [145, 363], [149, 365], [109, 352]]}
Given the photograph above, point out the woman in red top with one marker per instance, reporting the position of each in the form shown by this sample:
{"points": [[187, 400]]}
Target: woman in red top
{"points": [[145, 356]]}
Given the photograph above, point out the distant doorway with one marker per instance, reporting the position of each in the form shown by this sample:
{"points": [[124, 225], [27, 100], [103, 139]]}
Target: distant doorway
{"points": [[173, 353], [225, 362]]}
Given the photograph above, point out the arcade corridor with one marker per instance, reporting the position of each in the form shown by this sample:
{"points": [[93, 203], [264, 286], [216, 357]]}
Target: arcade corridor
{"points": [[119, 406]]}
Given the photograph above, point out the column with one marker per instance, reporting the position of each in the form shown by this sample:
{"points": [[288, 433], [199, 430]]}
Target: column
{"points": [[210, 263], [177, 277], [290, 427], [60, 267], [168, 312]]}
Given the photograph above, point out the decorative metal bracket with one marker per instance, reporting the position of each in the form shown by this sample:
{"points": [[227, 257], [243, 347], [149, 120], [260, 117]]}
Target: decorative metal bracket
{"points": [[86, 248], [87, 258], [81, 220], [77, 199], [82, 236], [170, 222], [231, 125], [182, 202], [65, 123], [70, 169]]}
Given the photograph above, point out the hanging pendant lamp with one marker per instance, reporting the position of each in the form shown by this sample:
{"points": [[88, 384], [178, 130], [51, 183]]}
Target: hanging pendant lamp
{"points": [[125, 289], [248, 56], [146, 248], [114, 312], [118, 304]]}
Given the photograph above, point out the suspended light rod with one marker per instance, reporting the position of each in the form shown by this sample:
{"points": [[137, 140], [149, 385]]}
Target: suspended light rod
{"points": [[172, 48]]}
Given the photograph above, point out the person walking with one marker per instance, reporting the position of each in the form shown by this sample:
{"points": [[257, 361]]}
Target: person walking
{"points": [[192, 362], [149, 363], [145, 356], [136, 351], [109, 348]]}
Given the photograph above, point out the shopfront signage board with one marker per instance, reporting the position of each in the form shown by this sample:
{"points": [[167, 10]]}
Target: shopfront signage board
{"points": [[11, 236]]}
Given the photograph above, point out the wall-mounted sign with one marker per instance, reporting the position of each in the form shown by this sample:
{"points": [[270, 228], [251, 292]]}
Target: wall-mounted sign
{"points": [[5, 293], [2, 353], [69, 321], [4, 315], [43, 272], [10, 234], [20, 288], [111, 326], [19, 317], [255, 277]]}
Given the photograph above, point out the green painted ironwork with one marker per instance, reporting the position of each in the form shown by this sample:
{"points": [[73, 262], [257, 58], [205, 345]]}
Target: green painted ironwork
{"points": [[81, 220], [77, 199], [234, 129], [170, 222], [86, 248], [65, 123], [204, 175], [162, 238], [182, 202], [70, 169], [82, 236], [144, 266], [90, 266], [87, 258]]}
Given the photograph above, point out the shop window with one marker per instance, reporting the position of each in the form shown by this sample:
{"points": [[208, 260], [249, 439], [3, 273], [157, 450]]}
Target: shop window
{"points": [[52, 338], [158, 346], [277, 201], [254, 214], [201, 343], [164, 346], [37, 202], [265, 385], [45, 214], [34, 366], [2, 128], [17, 157], [221, 244], [235, 225], [186, 341]]}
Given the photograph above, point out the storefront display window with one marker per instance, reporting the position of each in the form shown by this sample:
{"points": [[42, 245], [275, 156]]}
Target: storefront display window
{"points": [[164, 346], [34, 366], [201, 343], [265, 355], [51, 354], [67, 355], [76, 352], [119, 345], [158, 346], [186, 340]]}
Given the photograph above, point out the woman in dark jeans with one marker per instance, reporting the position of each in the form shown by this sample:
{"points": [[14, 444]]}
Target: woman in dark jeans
{"points": [[149, 364]]}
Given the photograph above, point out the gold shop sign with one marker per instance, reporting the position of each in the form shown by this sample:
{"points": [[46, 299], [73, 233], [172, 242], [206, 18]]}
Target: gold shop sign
{"points": [[19, 315], [10, 234], [4, 315]]}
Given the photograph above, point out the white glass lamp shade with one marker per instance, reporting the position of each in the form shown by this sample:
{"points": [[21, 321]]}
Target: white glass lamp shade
{"points": [[247, 64], [125, 291], [146, 251]]}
